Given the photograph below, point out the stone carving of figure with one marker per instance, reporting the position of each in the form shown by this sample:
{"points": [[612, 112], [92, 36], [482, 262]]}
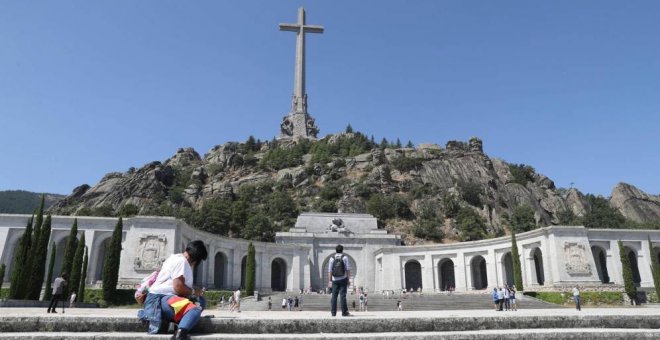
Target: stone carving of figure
{"points": [[286, 127], [312, 130]]}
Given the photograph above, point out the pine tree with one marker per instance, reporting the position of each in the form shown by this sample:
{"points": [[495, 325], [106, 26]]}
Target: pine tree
{"points": [[628, 282], [384, 143], [40, 254], [410, 144], [111, 263], [70, 250], [517, 269], [74, 280], [49, 278], [349, 128], [17, 287], [250, 270], [655, 268], [398, 144], [83, 278], [2, 277]]}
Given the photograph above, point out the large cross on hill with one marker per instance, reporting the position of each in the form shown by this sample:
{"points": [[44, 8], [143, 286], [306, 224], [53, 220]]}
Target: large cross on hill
{"points": [[298, 123]]}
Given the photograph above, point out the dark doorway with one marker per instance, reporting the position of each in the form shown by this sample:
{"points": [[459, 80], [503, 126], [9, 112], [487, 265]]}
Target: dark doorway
{"points": [[243, 268], [278, 275], [600, 259], [637, 279], [446, 273], [413, 275], [219, 270], [538, 266], [479, 272]]}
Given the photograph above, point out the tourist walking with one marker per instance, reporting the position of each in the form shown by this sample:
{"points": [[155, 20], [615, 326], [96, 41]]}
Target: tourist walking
{"points": [[366, 302], [72, 300], [576, 297], [58, 287], [500, 299], [361, 299], [270, 304], [171, 297], [283, 303], [339, 271], [399, 305], [237, 300], [295, 302]]}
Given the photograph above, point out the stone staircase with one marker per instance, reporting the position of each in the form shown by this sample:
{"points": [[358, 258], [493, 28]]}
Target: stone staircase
{"points": [[481, 326], [411, 302]]}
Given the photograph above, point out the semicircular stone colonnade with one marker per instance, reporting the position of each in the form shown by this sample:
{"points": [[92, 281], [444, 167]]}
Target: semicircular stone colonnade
{"points": [[554, 257]]}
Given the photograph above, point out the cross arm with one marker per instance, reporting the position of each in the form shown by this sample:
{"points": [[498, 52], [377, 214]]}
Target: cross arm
{"points": [[313, 29], [290, 27]]}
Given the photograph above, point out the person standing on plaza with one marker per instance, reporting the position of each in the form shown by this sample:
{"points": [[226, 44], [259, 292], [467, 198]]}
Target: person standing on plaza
{"points": [[339, 272], [172, 298], [237, 300], [496, 301], [512, 296], [270, 304], [507, 305], [72, 300], [576, 297], [58, 287]]}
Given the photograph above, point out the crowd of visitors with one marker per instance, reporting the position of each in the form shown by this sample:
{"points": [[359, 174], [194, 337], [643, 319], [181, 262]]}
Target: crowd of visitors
{"points": [[504, 299]]}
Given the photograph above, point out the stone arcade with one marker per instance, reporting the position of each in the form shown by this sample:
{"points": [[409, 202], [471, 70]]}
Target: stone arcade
{"points": [[551, 257]]}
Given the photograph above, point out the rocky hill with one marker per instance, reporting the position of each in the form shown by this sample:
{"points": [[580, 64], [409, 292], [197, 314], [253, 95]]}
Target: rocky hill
{"points": [[255, 188]]}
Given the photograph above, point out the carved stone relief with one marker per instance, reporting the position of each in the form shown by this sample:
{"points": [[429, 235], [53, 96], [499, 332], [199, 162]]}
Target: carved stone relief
{"points": [[577, 259], [150, 253]]}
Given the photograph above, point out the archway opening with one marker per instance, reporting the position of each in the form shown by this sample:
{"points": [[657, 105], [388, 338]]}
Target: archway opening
{"points": [[100, 258], [600, 259], [538, 266], [413, 275], [632, 257], [507, 266], [219, 270], [479, 272], [278, 275], [446, 273]]}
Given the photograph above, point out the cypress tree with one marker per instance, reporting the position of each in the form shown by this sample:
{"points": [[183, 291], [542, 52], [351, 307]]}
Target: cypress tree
{"points": [[70, 249], [655, 269], [16, 287], [2, 277], [250, 270], [111, 263], [83, 277], [74, 277], [628, 282], [30, 263], [517, 270], [49, 278], [40, 254]]}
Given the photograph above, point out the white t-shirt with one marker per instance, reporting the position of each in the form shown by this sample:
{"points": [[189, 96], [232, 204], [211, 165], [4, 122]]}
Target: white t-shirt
{"points": [[175, 266]]}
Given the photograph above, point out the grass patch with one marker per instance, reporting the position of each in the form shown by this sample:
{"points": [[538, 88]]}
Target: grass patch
{"points": [[588, 298]]}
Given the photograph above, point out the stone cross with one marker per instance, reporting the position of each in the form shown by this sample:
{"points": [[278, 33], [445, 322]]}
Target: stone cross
{"points": [[299, 103]]}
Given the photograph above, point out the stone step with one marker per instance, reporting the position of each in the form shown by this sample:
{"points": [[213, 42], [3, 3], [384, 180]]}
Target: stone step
{"points": [[513, 334], [313, 324]]}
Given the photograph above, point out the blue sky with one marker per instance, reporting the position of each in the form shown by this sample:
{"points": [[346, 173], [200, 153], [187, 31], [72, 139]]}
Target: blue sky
{"points": [[569, 87]]}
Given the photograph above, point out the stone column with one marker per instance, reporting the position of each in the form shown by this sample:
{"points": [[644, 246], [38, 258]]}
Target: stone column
{"points": [[236, 268], [461, 271], [491, 270], [616, 275], [427, 273]]}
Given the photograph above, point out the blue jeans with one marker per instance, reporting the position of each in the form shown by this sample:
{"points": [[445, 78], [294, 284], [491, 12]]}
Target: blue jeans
{"points": [[339, 287], [577, 302], [189, 320]]}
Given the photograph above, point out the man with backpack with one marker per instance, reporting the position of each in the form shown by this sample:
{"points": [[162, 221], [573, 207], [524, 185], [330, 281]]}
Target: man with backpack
{"points": [[339, 272]]}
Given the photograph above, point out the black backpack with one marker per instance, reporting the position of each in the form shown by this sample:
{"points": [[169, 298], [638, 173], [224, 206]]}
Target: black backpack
{"points": [[338, 267]]}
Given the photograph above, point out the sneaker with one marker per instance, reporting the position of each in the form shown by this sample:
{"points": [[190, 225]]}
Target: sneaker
{"points": [[347, 314]]}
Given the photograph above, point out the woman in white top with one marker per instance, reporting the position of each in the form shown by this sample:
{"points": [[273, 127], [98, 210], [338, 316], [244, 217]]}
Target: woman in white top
{"points": [[171, 297]]}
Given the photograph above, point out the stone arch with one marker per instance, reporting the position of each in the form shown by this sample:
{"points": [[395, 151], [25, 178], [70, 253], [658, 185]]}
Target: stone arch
{"points": [[413, 275], [507, 269], [632, 257], [539, 275], [219, 272], [479, 272], [101, 252], [278, 271], [600, 259], [326, 263], [10, 254], [446, 274]]}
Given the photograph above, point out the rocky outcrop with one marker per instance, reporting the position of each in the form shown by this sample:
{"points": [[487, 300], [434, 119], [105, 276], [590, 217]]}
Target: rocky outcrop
{"points": [[426, 173], [635, 204]]}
